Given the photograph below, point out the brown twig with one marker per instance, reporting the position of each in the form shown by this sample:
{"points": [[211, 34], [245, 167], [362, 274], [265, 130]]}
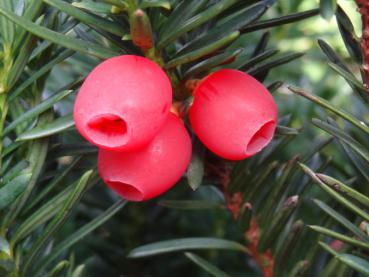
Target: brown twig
{"points": [[234, 202], [364, 11], [265, 260]]}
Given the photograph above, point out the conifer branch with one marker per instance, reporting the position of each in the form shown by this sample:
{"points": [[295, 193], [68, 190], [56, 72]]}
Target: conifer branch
{"points": [[234, 201], [364, 11]]}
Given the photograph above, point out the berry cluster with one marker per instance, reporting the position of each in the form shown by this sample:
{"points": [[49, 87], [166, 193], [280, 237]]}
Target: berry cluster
{"points": [[123, 107]]}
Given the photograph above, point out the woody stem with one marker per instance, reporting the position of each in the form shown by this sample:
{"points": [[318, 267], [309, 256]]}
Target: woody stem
{"points": [[364, 11]]}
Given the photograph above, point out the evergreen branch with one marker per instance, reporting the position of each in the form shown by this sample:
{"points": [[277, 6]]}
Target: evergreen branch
{"points": [[364, 11], [264, 259]]}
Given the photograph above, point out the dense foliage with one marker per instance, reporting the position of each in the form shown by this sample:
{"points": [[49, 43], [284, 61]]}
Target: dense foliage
{"points": [[264, 215]]}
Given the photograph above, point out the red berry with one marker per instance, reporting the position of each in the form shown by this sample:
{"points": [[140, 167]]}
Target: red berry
{"points": [[152, 170], [233, 114], [123, 103]]}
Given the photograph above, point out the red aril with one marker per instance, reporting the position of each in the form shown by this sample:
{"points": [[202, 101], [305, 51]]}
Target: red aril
{"points": [[123, 103], [152, 170], [233, 114]]}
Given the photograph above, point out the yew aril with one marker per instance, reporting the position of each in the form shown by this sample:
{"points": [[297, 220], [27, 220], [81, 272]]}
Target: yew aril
{"points": [[152, 170], [233, 114], [123, 103]]}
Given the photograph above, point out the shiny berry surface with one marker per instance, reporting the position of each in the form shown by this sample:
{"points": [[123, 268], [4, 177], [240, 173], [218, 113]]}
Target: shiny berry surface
{"points": [[233, 114], [123, 103], [152, 170]]}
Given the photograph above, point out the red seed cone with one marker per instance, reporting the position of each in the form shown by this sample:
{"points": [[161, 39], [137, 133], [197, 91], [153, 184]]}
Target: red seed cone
{"points": [[123, 103], [153, 169], [233, 114]]}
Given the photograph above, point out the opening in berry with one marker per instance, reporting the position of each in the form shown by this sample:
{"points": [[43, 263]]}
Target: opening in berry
{"points": [[107, 130], [261, 138], [127, 191]]}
